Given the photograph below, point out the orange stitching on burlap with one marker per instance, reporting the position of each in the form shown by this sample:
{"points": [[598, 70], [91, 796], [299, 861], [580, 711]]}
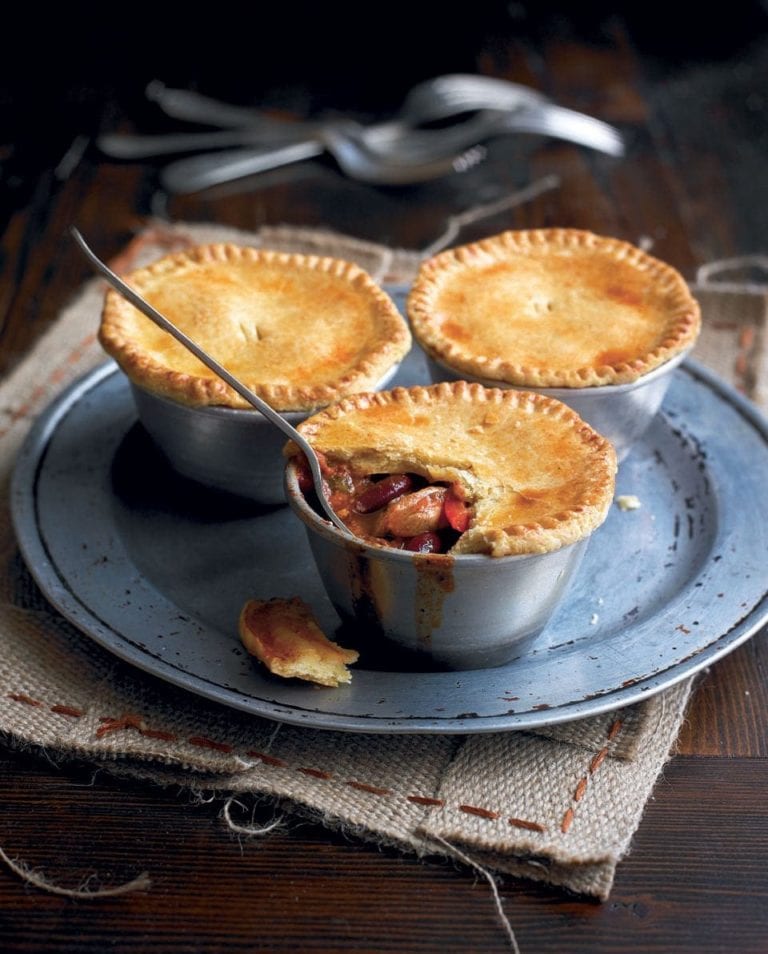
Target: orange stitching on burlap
{"points": [[425, 800], [67, 711], [159, 734], [23, 697], [268, 759], [109, 724], [594, 764], [315, 773], [529, 825], [480, 812], [614, 730], [598, 759], [136, 723], [371, 789], [205, 743], [42, 389], [36, 703]]}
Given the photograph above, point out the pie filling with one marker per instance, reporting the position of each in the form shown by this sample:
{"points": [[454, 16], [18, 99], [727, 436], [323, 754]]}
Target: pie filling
{"points": [[403, 511], [456, 468]]}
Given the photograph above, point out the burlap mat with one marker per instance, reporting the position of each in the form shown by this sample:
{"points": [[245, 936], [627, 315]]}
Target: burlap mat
{"points": [[558, 806]]}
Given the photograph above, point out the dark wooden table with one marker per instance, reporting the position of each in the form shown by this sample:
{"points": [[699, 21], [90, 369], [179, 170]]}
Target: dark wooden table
{"points": [[693, 103]]}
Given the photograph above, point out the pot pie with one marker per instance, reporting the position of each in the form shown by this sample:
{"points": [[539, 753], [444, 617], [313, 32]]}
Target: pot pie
{"points": [[484, 470], [559, 308], [299, 330]]}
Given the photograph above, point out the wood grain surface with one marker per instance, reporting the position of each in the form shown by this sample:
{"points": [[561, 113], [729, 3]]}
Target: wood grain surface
{"points": [[693, 105]]}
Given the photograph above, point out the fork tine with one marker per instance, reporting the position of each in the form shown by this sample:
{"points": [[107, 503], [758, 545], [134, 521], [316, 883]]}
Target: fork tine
{"points": [[568, 124], [526, 108], [450, 94]]}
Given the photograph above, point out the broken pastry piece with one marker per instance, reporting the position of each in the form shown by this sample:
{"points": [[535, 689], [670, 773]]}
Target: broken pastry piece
{"points": [[284, 635]]}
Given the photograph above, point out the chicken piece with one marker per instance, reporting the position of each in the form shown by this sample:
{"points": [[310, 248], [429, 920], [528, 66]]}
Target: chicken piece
{"points": [[413, 513]]}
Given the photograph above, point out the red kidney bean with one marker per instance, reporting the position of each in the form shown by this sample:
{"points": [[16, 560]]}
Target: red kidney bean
{"points": [[378, 495], [304, 476], [427, 542]]}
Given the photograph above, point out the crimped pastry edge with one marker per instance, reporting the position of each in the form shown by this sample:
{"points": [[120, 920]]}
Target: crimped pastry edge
{"points": [[682, 331], [393, 344], [560, 529]]}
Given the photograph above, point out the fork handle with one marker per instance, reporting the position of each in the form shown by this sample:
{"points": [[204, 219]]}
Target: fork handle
{"points": [[130, 146], [201, 172], [194, 107]]}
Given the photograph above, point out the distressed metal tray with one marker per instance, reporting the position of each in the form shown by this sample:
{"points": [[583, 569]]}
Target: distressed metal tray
{"points": [[156, 570]]}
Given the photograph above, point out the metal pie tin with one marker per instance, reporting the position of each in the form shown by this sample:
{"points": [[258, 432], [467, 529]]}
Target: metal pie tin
{"points": [[620, 412], [231, 450], [463, 612]]}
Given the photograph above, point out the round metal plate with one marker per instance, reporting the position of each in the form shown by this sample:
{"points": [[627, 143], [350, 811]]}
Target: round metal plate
{"points": [[156, 570]]}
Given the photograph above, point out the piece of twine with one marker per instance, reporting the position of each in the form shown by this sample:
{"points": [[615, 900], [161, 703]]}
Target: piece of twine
{"points": [[251, 830], [479, 212], [709, 275], [140, 883], [25, 872], [254, 830], [453, 850]]}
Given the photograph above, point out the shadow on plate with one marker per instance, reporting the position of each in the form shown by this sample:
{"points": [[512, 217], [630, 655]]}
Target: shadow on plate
{"points": [[143, 480]]}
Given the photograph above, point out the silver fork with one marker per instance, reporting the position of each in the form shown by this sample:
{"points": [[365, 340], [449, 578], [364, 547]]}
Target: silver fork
{"points": [[392, 152], [354, 147], [429, 101], [526, 110], [393, 155], [244, 126]]}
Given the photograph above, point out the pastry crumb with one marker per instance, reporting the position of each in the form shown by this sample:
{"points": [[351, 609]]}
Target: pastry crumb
{"points": [[628, 502], [284, 635]]}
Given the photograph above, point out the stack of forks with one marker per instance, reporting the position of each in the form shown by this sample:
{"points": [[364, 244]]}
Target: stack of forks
{"points": [[400, 151]]}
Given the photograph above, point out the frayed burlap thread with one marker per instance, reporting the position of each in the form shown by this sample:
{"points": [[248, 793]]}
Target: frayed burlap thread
{"points": [[559, 805]]}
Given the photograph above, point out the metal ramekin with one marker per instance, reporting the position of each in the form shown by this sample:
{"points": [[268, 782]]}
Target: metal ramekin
{"points": [[469, 611], [237, 451], [620, 412]]}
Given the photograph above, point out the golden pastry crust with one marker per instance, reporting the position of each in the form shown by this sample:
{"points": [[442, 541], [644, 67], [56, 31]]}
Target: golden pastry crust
{"points": [[300, 330], [552, 308], [284, 635], [536, 476]]}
